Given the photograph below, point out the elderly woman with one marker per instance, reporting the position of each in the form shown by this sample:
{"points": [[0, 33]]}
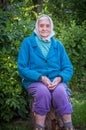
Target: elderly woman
{"points": [[45, 69]]}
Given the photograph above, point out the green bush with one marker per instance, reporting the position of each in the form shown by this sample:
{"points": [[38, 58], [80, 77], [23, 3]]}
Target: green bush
{"points": [[14, 26], [78, 101], [74, 39]]}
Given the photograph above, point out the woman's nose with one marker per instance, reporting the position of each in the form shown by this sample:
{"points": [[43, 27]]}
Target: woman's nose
{"points": [[44, 28]]}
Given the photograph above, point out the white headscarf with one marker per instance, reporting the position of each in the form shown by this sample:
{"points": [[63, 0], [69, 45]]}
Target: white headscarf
{"points": [[36, 27]]}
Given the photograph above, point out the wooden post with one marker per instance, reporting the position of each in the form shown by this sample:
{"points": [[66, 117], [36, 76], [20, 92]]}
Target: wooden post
{"points": [[51, 123]]}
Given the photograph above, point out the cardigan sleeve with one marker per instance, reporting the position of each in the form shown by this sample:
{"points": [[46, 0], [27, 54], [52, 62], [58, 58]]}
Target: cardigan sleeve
{"points": [[66, 65], [23, 63]]}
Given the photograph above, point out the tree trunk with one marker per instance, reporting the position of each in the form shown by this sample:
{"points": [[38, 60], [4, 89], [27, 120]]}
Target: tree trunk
{"points": [[39, 7], [52, 121], [2, 2]]}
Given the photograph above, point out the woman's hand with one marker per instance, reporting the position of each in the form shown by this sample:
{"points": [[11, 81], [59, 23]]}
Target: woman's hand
{"points": [[50, 85], [55, 82], [45, 80]]}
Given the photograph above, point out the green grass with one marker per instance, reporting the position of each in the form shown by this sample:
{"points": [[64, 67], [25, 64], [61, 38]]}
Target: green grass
{"points": [[17, 125], [79, 109], [78, 101]]}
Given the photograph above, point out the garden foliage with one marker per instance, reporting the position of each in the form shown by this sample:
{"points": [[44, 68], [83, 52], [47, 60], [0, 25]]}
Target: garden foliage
{"points": [[74, 39], [15, 24]]}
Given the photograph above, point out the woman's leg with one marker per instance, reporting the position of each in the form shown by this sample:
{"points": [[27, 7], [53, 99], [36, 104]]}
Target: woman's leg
{"points": [[62, 104], [42, 102]]}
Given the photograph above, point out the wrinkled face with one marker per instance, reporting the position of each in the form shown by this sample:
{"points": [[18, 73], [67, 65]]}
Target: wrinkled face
{"points": [[44, 28]]}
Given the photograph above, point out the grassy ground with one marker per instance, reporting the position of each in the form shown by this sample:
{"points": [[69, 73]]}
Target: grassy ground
{"points": [[17, 125], [79, 106], [79, 115]]}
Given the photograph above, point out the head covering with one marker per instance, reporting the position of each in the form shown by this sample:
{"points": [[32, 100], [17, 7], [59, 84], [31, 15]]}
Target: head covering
{"points": [[42, 17]]}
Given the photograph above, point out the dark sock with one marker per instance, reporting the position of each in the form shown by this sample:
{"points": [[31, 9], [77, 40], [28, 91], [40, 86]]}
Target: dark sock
{"points": [[68, 125], [39, 126]]}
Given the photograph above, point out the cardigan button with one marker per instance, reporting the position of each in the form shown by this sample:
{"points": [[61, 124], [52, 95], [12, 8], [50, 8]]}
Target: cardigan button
{"points": [[45, 60]]}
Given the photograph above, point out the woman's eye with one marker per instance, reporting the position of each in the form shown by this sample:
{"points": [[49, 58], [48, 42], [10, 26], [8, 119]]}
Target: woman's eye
{"points": [[47, 25], [41, 25]]}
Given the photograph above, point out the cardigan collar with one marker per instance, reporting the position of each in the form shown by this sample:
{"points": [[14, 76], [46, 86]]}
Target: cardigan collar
{"points": [[34, 44]]}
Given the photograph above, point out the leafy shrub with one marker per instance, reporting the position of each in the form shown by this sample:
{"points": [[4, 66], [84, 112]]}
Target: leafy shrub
{"points": [[14, 26], [78, 101], [74, 39]]}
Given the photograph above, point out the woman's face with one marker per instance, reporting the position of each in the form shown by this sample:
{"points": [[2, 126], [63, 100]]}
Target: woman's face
{"points": [[44, 28]]}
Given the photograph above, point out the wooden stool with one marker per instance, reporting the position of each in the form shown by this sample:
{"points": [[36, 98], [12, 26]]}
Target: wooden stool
{"points": [[51, 123]]}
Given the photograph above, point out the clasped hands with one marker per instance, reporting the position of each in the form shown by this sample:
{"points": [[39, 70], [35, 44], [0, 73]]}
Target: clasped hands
{"points": [[51, 85]]}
